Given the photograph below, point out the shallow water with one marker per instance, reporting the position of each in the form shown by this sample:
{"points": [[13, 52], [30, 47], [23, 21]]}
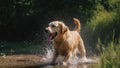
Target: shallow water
{"points": [[88, 64], [78, 65], [74, 62], [74, 66], [46, 60]]}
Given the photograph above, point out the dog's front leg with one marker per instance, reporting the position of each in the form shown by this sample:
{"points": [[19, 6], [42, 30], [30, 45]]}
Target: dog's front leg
{"points": [[67, 56]]}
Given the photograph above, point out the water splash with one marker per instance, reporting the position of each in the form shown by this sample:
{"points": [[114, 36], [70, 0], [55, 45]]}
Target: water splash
{"points": [[72, 61], [48, 56]]}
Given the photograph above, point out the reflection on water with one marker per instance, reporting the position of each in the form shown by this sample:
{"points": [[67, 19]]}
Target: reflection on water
{"points": [[89, 63], [73, 66]]}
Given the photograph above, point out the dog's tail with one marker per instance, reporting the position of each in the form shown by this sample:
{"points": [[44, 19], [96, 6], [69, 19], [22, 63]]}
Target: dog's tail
{"points": [[77, 23]]}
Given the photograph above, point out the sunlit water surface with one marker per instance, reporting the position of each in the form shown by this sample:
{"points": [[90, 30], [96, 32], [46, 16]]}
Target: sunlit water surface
{"points": [[74, 62]]}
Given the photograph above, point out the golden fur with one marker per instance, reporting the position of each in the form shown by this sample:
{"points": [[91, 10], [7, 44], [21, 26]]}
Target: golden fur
{"points": [[66, 42]]}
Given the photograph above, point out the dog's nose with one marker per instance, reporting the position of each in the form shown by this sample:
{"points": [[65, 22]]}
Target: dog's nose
{"points": [[46, 30]]}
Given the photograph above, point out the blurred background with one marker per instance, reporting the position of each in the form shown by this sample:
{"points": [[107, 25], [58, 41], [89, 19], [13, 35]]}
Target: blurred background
{"points": [[22, 22]]}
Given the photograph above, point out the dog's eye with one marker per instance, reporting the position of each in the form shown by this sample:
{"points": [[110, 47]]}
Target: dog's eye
{"points": [[53, 26]]}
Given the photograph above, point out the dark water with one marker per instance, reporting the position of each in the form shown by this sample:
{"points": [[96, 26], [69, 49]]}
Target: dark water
{"points": [[91, 65]]}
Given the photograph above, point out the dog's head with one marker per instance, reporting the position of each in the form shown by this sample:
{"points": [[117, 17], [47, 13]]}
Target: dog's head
{"points": [[55, 29]]}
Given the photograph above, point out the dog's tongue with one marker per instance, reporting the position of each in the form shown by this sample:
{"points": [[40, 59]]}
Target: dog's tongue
{"points": [[50, 37]]}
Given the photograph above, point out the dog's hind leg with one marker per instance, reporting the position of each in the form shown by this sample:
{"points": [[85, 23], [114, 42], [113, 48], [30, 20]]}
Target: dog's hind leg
{"points": [[81, 49]]}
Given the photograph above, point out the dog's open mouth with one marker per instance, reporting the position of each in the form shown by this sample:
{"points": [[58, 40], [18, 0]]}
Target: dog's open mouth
{"points": [[52, 36]]}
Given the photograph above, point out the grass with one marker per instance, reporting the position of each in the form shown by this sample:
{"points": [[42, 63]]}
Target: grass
{"points": [[110, 55]]}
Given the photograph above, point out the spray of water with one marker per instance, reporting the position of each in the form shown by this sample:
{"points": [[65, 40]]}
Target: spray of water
{"points": [[72, 61], [48, 56]]}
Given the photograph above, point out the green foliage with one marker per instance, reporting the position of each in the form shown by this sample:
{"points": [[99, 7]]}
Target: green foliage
{"points": [[105, 20], [103, 24], [110, 55], [110, 5], [20, 19]]}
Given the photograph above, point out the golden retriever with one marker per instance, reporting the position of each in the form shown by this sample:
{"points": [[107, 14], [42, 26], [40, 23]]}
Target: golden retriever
{"points": [[66, 42]]}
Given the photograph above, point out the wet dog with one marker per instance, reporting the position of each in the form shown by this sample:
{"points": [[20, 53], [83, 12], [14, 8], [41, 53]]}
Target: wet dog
{"points": [[66, 42]]}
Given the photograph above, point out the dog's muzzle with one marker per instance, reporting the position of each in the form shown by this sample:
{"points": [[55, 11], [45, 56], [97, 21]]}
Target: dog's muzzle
{"points": [[51, 36]]}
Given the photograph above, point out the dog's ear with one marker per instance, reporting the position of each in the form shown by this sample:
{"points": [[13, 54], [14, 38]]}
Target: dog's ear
{"points": [[63, 28]]}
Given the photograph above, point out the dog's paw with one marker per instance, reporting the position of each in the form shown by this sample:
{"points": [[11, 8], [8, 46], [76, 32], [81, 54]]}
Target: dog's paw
{"points": [[84, 58]]}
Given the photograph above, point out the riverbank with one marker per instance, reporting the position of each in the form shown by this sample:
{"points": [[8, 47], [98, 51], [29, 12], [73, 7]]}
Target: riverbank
{"points": [[19, 60]]}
